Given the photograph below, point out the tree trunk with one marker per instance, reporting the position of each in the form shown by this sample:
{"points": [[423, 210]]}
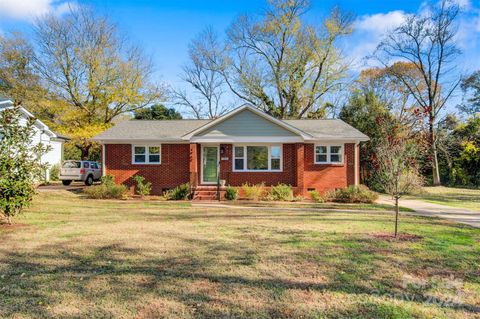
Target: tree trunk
{"points": [[84, 149], [9, 219], [433, 153], [85, 152], [397, 209]]}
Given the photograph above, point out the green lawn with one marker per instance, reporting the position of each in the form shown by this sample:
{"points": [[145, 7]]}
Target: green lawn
{"points": [[449, 196], [70, 257]]}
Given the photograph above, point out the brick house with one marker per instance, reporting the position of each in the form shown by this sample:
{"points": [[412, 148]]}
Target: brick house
{"points": [[243, 146]]}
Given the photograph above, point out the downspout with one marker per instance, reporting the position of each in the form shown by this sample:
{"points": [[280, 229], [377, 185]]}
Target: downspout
{"points": [[103, 160], [218, 178], [356, 163]]}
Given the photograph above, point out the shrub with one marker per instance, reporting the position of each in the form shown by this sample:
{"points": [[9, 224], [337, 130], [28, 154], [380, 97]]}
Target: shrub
{"points": [[355, 194], [329, 195], [281, 192], [106, 191], [181, 192], [231, 193], [20, 168], [107, 180], [316, 196], [254, 192], [55, 172], [142, 188]]}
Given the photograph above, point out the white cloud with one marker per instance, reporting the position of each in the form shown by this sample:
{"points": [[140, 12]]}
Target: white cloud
{"points": [[29, 9], [369, 30], [464, 4], [381, 22]]}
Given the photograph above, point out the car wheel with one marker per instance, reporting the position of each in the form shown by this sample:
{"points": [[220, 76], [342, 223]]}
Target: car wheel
{"points": [[89, 180], [66, 182]]}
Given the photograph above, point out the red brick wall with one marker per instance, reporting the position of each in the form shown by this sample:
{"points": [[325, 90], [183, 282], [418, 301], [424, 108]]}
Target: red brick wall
{"points": [[323, 177], [287, 176], [173, 170]]}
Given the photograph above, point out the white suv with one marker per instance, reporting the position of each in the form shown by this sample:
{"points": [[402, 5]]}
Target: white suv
{"points": [[85, 171]]}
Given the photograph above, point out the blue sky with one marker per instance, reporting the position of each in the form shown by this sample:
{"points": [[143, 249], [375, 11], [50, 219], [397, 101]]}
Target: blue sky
{"points": [[164, 28]]}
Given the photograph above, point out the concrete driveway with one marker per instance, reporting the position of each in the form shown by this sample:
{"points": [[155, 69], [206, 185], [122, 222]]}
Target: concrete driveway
{"points": [[460, 215]]}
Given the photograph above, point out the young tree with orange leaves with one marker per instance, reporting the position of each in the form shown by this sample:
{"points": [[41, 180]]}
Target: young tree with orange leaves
{"points": [[396, 157]]}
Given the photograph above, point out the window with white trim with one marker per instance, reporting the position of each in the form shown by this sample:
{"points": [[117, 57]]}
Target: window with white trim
{"points": [[328, 154], [146, 154], [257, 158]]}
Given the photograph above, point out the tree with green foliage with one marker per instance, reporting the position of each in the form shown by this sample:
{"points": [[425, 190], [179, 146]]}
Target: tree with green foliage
{"points": [[465, 153], [20, 162], [471, 89], [157, 112], [364, 110]]}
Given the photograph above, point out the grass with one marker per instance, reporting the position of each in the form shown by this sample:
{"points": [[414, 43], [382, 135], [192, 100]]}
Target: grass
{"points": [[449, 196], [330, 205], [71, 257]]}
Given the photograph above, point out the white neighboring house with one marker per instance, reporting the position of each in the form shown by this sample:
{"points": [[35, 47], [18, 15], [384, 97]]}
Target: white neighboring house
{"points": [[42, 134]]}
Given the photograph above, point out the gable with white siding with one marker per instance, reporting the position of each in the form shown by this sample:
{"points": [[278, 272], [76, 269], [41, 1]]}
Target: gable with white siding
{"points": [[246, 123]]}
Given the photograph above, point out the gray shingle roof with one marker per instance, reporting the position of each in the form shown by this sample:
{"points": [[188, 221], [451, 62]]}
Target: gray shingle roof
{"points": [[151, 130], [173, 130], [327, 129]]}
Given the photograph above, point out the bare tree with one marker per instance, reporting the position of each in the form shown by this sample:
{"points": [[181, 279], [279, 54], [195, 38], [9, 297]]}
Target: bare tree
{"points": [[396, 160], [426, 41], [393, 94], [280, 64], [471, 94], [206, 84]]}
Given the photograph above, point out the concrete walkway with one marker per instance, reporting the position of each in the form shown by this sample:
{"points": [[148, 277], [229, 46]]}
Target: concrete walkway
{"points": [[460, 215]]}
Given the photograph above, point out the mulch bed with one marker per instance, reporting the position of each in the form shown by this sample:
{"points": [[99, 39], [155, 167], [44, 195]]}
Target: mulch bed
{"points": [[400, 237]]}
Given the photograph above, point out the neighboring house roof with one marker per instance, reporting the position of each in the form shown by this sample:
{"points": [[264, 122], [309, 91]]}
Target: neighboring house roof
{"points": [[185, 130], [8, 104], [62, 137]]}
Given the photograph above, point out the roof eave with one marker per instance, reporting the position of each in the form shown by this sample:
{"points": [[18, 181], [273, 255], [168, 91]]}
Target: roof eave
{"points": [[356, 139], [137, 140]]}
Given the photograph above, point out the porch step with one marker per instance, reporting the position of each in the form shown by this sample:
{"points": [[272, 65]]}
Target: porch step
{"points": [[207, 193]]}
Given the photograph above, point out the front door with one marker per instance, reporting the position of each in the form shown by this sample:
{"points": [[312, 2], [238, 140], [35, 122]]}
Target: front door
{"points": [[210, 164]]}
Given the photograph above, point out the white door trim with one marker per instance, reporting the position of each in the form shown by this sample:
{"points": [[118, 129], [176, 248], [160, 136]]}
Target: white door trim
{"points": [[201, 164]]}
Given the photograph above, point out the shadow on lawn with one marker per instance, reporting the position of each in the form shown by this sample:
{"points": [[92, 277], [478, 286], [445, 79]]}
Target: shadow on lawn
{"points": [[32, 284]]}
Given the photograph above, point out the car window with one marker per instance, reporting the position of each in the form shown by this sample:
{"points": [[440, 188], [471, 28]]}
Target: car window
{"points": [[71, 164], [94, 165], [86, 165]]}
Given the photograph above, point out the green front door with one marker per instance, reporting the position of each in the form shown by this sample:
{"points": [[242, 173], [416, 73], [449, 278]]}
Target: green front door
{"points": [[210, 164]]}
